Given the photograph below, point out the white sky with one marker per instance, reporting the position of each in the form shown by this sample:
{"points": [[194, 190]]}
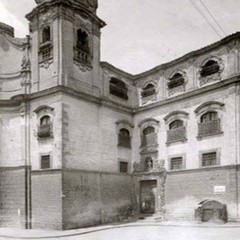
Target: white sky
{"points": [[141, 34]]}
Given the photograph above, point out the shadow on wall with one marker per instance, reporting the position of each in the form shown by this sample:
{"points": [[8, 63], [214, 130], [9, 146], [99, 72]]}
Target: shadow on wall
{"points": [[211, 211]]}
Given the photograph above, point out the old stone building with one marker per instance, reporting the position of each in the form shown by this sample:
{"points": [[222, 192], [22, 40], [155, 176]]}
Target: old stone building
{"points": [[85, 143]]}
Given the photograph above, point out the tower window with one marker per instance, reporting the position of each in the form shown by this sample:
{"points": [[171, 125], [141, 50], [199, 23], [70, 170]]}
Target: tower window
{"points": [[45, 162], [118, 88], [210, 68], [46, 34], [149, 90], [45, 127], [82, 41], [176, 80]]}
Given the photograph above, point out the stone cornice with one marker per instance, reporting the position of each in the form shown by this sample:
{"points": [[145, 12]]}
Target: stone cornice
{"points": [[204, 169], [77, 7], [18, 99], [116, 70]]}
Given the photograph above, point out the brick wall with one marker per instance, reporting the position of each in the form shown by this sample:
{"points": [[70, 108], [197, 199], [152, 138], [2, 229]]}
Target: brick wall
{"points": [[12, 197], [47, 199], [92, 198], [186, 189]]}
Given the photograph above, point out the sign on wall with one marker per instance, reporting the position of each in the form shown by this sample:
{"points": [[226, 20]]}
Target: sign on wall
{"points": [[219, 189]]}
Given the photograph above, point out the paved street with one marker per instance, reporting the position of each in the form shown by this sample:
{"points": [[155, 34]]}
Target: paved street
{"points": [[131, 232], [163, 233]]}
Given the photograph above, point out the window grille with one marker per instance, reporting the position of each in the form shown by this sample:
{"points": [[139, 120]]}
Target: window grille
{"points": [[209, 159], [177, 131], [123, 167], [45, 162], [210, 124], [176, 163]]}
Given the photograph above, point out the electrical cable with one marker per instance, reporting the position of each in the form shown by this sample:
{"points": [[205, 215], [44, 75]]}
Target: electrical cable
{"points": [[210, 24], [214, 19]]}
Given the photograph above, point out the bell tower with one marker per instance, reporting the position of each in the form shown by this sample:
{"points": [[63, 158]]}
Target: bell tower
{"points": [[65, 51]]}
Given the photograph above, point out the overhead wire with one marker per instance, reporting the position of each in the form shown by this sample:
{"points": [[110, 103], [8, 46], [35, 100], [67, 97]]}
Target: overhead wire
{"points": [[206, 19], [214, 19]]}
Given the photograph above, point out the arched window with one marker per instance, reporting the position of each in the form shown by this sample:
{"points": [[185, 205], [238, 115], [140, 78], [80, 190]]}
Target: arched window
{"points": [[210, 68], [176, 132], [124, 138], [118, 88], [176, 124], [45, 127], [176, 80], [46, 34], [45, 120], [148, 90], [209, 116], [82, 40], [149, 136], [209, 124], [148, 130]]}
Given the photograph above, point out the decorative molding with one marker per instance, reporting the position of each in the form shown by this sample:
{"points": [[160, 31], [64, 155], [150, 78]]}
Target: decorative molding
{"points": [[211, 105], [175, 113], [151, 121], [82, 67]]}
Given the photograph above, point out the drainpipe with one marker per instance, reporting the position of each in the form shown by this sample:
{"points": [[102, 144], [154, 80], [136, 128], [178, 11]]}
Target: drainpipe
{"points": [[26, 87]]}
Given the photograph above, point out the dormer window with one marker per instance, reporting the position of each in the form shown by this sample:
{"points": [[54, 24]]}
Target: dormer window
{"points": [[148, 90], [46, 34], [45, 127], [118, 88], [210, 67], [176, 80]]}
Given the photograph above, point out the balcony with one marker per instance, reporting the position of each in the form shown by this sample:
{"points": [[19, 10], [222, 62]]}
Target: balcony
{"points": [[175, 135], [45, 131], [81, 56], [45, 52], [209, 128]]}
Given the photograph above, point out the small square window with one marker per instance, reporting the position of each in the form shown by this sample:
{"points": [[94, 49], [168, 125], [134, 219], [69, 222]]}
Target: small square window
{"points": [[123, 167], [45, 162], [209, 159], [176, 163]]}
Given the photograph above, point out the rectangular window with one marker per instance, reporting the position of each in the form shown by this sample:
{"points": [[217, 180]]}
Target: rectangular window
{"points": [[45, 162], [209, 159], [123, 167], [176, 163]]}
